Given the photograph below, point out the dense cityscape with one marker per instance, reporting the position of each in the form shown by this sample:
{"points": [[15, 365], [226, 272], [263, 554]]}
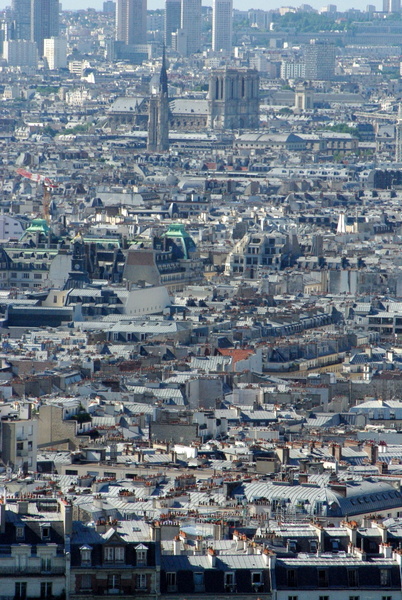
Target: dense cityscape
{"points": [[200, 302]]}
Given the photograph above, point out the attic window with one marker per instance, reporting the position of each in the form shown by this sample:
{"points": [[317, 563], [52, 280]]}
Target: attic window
{"points": [[141, 554], [45, 531], [86, 555]]}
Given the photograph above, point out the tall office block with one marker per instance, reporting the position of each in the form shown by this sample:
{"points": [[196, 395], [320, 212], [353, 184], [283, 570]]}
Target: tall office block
{"points": [[21, 10], [191, 24], [319, 58], [391, 6], [131, 21], [20, 53], [398, 133], [44, 21], [222, 25], [109, 7], [172, 20], [55, 52]]}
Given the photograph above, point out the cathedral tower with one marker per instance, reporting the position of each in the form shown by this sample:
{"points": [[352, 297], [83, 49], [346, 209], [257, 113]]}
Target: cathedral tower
{"points": [[158, 117]]}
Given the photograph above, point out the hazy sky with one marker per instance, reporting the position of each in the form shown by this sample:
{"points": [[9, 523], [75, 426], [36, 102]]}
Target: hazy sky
{"points": [[239, 4]]}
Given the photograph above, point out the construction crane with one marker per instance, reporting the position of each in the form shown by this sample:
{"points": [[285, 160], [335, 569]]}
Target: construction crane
{"points": [[48, 186]]}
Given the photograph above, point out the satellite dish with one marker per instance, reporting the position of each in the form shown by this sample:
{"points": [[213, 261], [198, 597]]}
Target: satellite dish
{"points": [[9, 470]]}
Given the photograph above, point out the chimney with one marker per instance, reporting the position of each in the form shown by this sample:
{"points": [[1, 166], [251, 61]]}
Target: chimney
{"points": [[212, 557], [303, 478], [66, 511], [320, 534], [372, 451], [303, 465], [337, 452], [382, 530], [156, 532], [339, 488], [351, 528], [382, 467], [386, 550], [23, 507], [176, 546], [283, 454]]}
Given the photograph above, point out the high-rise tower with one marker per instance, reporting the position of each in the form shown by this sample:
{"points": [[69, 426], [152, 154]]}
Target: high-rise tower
{"points": [[131, 21], [44, 21], [319, 60], [21, 10], [172, 19], [158, 119], [191, 25], [398, 139], [222, 25]]}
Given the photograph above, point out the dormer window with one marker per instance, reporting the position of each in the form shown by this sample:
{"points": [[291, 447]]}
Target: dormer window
{"points": [[141, 554], [86, 555], [45, 531]]}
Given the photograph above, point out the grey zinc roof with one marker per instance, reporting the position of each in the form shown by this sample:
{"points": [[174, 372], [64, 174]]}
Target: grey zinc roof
{"points": [[225, 562], [189, 106]]}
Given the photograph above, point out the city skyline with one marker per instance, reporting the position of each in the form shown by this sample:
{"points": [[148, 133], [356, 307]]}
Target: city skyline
{"points": [[237, 4]]}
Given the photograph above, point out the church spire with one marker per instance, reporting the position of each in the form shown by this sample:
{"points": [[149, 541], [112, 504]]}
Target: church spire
{"points": [[163, 80]]}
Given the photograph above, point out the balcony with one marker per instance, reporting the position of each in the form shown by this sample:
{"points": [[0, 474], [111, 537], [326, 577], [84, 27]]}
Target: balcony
{"points": [[31, 571]]}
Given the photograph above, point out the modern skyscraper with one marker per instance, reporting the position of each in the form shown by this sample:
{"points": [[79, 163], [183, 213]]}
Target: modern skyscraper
{"points": [[44, 21], [398, 140], [172, 19], [391, 6], [20, 53], [222, 25], [21, 10], [131, 21], [319, 59], [158, 117], [191, 24], [55, 52]]}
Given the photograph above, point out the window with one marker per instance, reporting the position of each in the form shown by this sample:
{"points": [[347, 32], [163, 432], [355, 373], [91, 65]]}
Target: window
{"points": [[322, 578], [20, 532], [229, 581], [114, 554], [37, 275], [86, 555], [46, 564], [25, 275], [141, 553], [113, 583], [45, 589], [291, 577], [256, 578], [386, 598], [323, 597], [352, 578], [45, 532], [141, 581], [354, 597], [86, 582], [384, 577], [21, 590], [171, 582], [293, 598], [198, 582]]}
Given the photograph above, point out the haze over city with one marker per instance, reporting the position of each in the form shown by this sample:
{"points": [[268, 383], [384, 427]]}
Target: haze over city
{"points": [[238, 4]]}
